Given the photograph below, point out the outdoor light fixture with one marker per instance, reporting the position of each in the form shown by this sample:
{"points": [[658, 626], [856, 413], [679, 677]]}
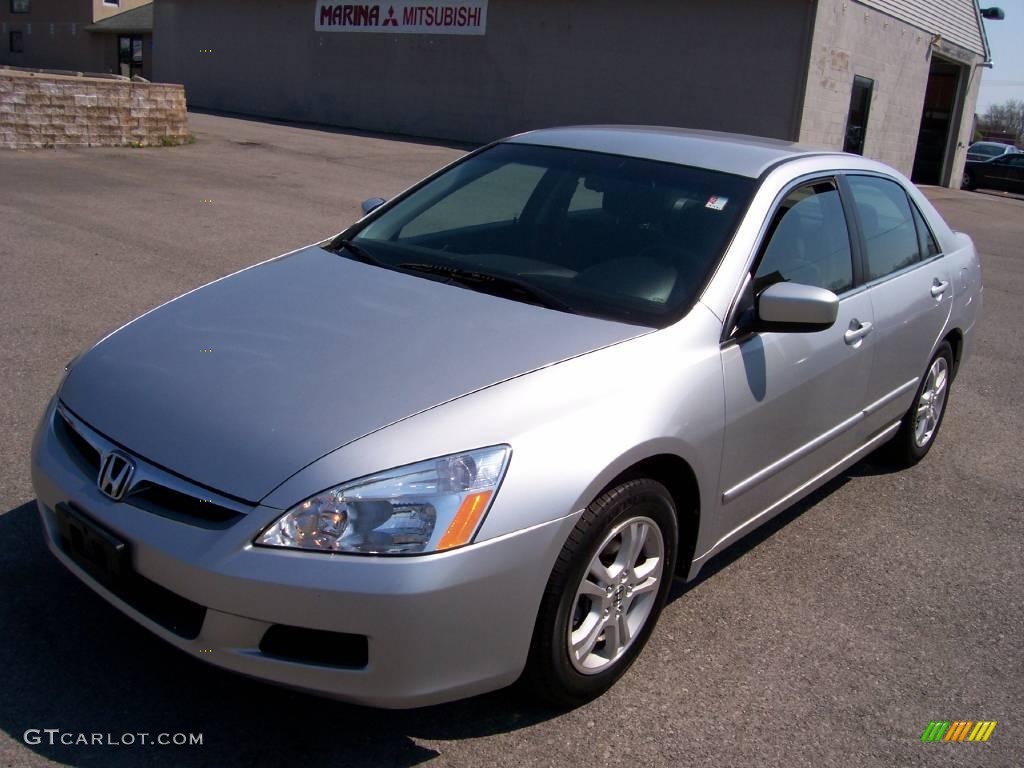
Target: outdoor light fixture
{"points": [[993, 14]]}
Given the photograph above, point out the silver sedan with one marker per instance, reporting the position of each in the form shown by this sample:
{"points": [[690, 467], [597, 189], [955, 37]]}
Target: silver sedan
{"points": [[471, 439]]}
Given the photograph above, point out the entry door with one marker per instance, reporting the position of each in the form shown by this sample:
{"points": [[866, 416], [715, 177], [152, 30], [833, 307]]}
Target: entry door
{"points": [[129, 55], [910, 287], [793, 400], [940, 122]]}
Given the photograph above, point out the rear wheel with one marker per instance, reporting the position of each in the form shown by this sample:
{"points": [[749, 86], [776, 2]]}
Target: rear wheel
{"points": [[605, 594], [921, 423]]}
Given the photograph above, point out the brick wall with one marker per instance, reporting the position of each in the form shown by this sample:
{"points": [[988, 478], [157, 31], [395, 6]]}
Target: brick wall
{"points": [[850, 40], [38, 110]]}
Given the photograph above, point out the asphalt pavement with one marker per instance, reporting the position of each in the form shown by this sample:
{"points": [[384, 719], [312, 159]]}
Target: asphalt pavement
{"points": [[831, 637]]}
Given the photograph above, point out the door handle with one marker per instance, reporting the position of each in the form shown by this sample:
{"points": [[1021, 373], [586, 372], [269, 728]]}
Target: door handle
{"points": [[858, 331], [939, 287]]}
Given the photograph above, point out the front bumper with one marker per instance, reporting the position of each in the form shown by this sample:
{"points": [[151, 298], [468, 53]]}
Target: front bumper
{"points": [[437, 627]]}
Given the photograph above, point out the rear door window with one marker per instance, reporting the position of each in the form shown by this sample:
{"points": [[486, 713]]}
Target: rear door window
{"points": [[887, 223], [926, 240]]}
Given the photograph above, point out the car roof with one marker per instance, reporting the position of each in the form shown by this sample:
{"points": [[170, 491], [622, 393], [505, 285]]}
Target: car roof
{"points": [[732, 153]]}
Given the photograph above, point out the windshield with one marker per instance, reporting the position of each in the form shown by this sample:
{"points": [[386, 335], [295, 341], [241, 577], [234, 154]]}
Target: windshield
{"points": [[603, 235]]}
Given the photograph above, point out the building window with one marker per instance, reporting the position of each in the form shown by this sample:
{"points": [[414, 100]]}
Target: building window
{"points": [[857, 120], [20, 6], [17, 42], [111, 2]]}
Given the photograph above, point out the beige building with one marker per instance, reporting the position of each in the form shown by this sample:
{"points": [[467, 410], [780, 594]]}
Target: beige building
{"points": [[112, 36], [915, 67]]}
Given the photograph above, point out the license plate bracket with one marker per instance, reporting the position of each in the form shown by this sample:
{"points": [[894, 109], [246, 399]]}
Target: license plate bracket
{"points": [[96, 550]]}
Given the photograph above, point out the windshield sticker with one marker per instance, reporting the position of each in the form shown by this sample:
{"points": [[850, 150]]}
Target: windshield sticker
{"points": [[716, 203]]}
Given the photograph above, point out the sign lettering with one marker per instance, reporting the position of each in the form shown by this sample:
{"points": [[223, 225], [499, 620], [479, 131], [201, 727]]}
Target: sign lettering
{"points": [[423, 17]]}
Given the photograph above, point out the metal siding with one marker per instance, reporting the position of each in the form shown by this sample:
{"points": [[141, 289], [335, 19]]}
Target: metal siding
{"points": [[541, 63], [956, 20]]}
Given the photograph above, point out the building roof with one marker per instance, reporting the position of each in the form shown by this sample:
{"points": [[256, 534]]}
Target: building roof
{"points": [[137, 21], [727, 152]]}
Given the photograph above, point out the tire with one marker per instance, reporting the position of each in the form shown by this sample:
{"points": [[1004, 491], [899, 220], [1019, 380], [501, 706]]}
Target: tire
{"points": [[638, 510], [968, 181], [920, 425]]}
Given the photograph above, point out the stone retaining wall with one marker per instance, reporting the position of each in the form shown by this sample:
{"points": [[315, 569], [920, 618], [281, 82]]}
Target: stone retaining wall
{"points": [[46, 110]]}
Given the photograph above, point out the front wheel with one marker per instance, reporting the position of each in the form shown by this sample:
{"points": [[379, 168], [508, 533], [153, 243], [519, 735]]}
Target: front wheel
{"points": [[968, 181], [605, 594], [921, 423]]}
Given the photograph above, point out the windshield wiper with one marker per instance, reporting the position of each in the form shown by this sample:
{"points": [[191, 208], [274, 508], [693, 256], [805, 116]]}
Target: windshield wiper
{"points": [[496, 285], [360, 253]]}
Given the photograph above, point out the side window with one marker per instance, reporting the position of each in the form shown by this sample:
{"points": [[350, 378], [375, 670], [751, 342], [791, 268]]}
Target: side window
{"points": [[808, 241], [496, 197], [890, 236], [925, 238]]}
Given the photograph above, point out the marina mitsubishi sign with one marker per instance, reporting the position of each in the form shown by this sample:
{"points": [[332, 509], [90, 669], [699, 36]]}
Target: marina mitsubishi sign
{"points": [[442, 17]]}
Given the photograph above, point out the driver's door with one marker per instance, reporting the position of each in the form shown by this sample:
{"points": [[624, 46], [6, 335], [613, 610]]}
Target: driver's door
{"points": [[793, 399]]}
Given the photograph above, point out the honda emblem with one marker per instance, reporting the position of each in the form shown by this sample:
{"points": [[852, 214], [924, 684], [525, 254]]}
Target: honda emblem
{"points": [[115, 476]]}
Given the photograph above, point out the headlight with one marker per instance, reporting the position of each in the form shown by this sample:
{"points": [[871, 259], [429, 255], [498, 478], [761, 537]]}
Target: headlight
{"points": [[424, 507]]}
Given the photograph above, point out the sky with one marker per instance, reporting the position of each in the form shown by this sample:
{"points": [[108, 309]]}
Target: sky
{"points": [[1006, 78]]}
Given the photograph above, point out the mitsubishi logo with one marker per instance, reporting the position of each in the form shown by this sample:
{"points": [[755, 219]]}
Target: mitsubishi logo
{"points": [[116, 472]]}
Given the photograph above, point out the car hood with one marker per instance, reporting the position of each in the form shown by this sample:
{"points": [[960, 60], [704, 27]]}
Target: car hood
{"points": [[245, 381]]}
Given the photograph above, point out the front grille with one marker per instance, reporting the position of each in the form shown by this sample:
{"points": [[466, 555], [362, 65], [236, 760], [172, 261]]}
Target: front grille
{"points": [[81, 451], [316, 646], [175, 505], [152, 489]]}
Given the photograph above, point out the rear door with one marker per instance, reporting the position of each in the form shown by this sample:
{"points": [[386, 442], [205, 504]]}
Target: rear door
{"points": [[793, 399], [910, 289]]}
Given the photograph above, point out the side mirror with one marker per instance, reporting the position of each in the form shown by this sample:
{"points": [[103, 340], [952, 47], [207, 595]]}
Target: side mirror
{"points": [[796, 308], [372, 204]]}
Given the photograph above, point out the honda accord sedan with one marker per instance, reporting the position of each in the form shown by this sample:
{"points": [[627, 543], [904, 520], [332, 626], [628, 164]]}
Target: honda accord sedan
{"points": [[472, 439]]}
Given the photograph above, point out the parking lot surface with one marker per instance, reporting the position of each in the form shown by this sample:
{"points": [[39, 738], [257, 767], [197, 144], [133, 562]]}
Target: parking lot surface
{"points": [[829, 638]]}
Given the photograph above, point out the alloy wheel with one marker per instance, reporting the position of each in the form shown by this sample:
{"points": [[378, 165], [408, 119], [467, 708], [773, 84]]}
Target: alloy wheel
{"points": [[931, 402], [616, 595]]}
